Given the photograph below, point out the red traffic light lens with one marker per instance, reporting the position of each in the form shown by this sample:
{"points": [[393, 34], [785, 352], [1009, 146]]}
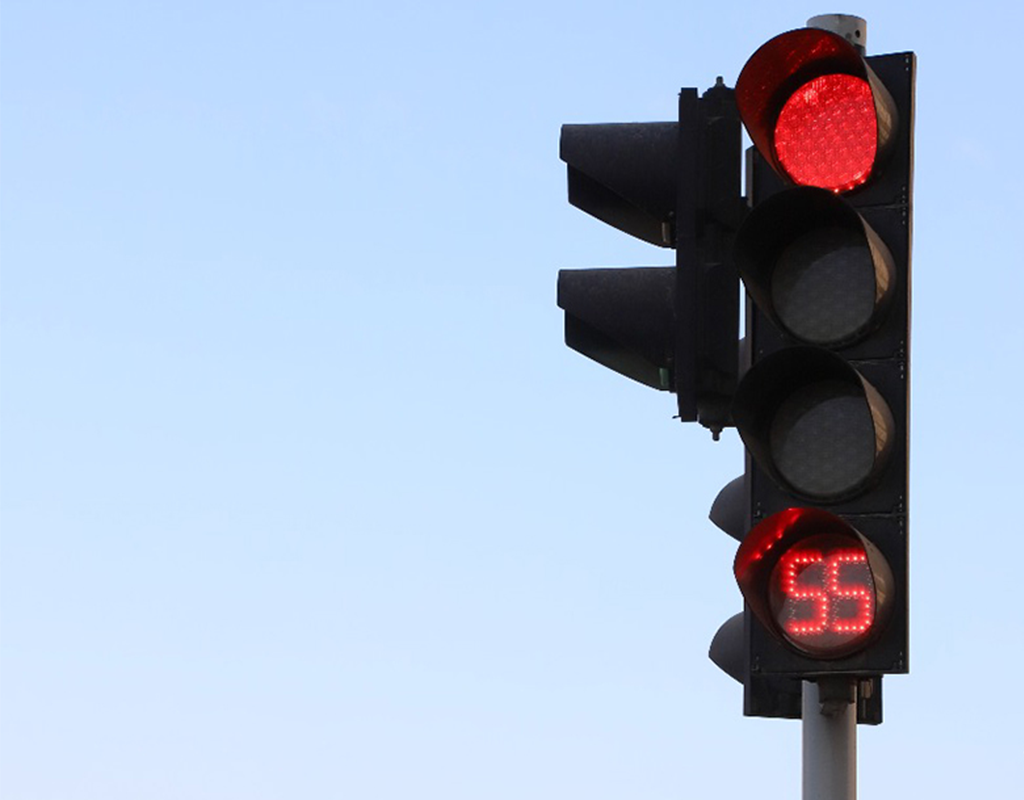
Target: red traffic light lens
{"points": [[822, 595], [827, 134], [816, 111]]}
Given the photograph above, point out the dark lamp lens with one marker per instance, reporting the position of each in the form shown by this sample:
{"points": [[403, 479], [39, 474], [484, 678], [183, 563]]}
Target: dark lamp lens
{"points": [[822, 440], [827, 134], [823, 286], [822, 595]]}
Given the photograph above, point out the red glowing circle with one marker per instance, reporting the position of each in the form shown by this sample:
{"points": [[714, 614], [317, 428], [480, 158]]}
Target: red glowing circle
{"points": [[827, 134], [823, 595]]}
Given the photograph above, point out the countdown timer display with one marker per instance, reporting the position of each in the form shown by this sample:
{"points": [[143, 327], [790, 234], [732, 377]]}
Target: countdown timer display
{"points": [[822, 595]]}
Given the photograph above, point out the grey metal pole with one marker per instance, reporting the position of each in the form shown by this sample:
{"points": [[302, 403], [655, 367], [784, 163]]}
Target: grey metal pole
{"points": [[829, 714], [853, 29]]}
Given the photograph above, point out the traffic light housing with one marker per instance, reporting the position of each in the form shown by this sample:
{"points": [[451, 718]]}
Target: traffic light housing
{"points": [[818, 387], [822, 404]]}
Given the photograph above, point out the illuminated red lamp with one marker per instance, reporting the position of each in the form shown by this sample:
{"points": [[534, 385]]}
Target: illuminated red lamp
{"points": [[815, 582], [816, 111]]}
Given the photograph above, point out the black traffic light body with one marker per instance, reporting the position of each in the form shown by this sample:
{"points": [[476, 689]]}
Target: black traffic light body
{"points": [[675, 185], [818, 387], [823, 407]]}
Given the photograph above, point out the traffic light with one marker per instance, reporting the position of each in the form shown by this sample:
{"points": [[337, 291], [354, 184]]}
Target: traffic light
{"points": [[818, 386], [822, 404], [674, 185]]}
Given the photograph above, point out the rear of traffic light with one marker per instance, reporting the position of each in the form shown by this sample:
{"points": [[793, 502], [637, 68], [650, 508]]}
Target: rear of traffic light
{"points": [[822, 408], [675, 185]]}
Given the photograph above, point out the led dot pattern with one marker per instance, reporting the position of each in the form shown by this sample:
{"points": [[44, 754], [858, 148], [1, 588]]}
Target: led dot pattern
{"points": [[827, 134], [823, 595]]}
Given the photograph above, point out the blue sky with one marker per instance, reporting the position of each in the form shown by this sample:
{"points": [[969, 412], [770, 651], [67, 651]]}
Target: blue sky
{"points": [[302, 494]]}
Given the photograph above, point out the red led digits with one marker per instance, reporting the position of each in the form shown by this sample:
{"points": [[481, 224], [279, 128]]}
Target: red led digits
{"points": [[827, 135], [855, 600], [816, 583], [809, 609], [823, 596]]}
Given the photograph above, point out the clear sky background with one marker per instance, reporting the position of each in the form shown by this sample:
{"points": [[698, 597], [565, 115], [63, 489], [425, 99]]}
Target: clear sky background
{"points": [[302, 493]]}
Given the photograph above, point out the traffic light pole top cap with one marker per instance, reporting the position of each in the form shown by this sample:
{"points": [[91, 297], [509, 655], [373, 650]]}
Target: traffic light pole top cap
{"points": [[853, 29]]}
